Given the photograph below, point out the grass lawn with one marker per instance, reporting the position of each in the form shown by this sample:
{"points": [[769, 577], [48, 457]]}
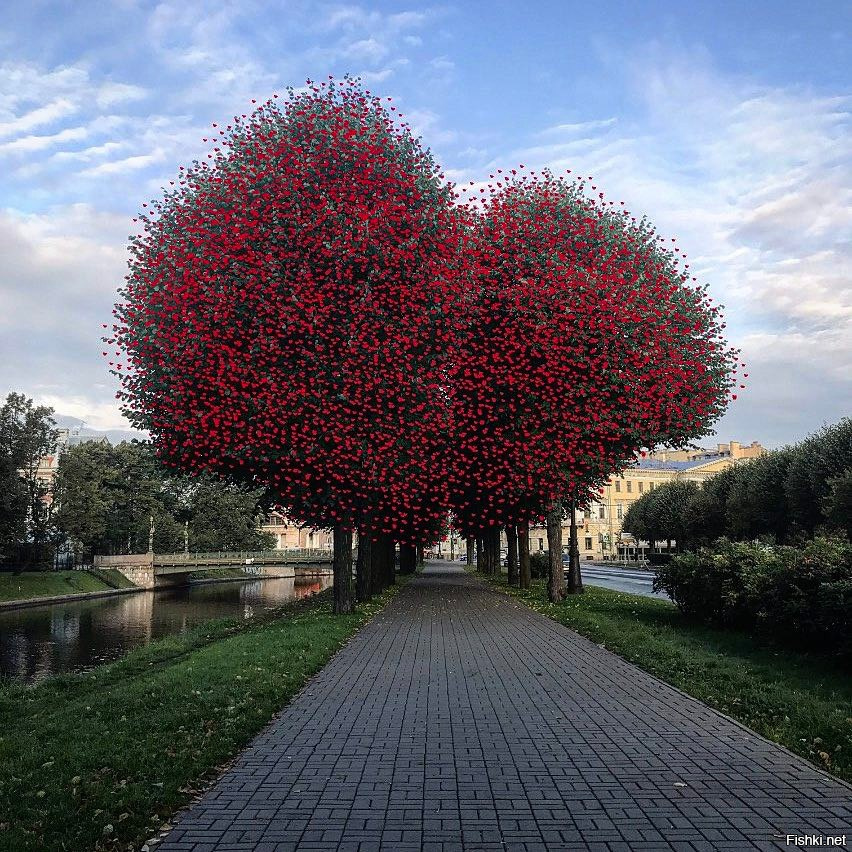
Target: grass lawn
{"points": [[37, 584], [802, 701], [222, 574], [101, 760]]}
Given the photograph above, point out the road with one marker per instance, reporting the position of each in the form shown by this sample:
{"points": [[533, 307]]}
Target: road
{"points": [[621, 580]]}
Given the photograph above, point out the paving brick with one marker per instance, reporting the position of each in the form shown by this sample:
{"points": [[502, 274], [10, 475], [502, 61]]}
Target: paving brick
{"points": [[459, 721]]}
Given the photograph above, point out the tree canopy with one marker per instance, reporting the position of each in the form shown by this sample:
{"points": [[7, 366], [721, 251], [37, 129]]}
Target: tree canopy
{"points": [[315, 311]]}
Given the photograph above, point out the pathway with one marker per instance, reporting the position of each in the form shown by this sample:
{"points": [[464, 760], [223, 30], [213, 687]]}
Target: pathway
{"points": [[461, 720]]}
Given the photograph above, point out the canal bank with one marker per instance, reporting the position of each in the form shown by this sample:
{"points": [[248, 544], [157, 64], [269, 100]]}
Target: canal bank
{"points": [[52, 586], [78, 633], [114, 585], [102, 759], [57, 599]]}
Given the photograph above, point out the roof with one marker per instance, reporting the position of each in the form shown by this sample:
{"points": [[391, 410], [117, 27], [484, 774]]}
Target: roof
{"points": [[655, 464]]}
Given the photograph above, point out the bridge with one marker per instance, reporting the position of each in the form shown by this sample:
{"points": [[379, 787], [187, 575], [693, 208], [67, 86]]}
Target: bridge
{"points": [[153, 571]]}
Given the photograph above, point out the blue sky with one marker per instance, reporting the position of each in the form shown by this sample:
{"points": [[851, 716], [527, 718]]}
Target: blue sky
{"points": [[727, 123]]}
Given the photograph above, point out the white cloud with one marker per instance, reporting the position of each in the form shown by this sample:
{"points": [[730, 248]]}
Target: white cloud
{"points": [[110, 94], [29, 144], [60, 273], [370, 49], [47, 114], [140, 161]]}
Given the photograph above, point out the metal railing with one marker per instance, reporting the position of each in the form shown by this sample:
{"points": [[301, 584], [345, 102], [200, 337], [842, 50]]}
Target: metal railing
{"points": [[192, 561]]}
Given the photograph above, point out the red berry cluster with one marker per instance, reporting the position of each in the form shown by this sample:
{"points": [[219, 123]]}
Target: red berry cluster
{"points": [[315, 310]]}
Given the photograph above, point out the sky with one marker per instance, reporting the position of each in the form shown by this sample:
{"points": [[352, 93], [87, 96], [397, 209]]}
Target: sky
{"points": [[726, 123]]}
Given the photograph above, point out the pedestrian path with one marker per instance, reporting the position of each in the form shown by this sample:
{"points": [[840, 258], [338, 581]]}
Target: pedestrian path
{"points": [[460, 720]]}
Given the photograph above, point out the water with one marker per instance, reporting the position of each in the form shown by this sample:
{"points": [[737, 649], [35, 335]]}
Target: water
{"points": [[39, 641]]}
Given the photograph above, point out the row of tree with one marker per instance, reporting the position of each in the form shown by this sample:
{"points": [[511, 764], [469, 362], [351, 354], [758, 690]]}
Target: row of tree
{"points": [[784, 495], [27, 434], [313, 310], [103, 498]]}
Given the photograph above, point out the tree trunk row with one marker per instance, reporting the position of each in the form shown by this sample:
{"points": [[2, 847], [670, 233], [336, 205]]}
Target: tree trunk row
{"points": [[375, 568]]}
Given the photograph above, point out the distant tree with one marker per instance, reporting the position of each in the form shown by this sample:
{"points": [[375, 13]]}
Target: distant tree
{"points": [[757, 503], [643, 518], [713, 521], [27, 434], [672, 500], [704, 518], [224, 516], [13, 508], [82, 495], [106, 497], [816, 463], [837, 507]]}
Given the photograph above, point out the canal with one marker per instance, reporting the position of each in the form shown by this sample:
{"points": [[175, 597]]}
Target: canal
{"points": [[40, 641]]}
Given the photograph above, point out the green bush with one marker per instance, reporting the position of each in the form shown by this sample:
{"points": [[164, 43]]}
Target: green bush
{"points": [[540, 564], [800, 595]]}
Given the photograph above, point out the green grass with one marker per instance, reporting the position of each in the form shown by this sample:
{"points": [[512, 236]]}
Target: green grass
{"points": [[222, 574], [113, 578], [802, 701], [128, 744], [37, 584]]}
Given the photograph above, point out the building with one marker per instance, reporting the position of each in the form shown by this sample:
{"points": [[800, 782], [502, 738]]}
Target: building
{"points": [[291, 536]]}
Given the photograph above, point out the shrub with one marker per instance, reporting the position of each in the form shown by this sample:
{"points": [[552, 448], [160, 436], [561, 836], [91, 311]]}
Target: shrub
{"points": [[539, 564], [796, 595]]}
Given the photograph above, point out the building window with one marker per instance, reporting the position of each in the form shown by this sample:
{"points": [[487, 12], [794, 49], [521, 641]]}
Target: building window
{"points": [[641, 487], [587, 514], [629, 486], [618, 486], [602, 512], [651, 486], [588, 542], [619, 511], [541, 544]]}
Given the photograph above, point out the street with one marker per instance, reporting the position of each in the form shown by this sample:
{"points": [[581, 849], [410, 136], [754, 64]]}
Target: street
{"points": [[621, 580]]}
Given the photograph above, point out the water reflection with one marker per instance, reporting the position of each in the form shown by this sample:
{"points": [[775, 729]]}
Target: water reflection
{"points": [[36, 642]]}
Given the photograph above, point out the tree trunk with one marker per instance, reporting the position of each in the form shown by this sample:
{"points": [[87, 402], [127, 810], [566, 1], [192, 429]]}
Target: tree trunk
{"points": [[512, 556], [407, 558], [496, 568], [343, 600], [556, 582], [419, 555], [363, 569], [480, 554], [390, 563], [377, 565], [486, 552], [575, 579], [471, 546], [524, 577]]}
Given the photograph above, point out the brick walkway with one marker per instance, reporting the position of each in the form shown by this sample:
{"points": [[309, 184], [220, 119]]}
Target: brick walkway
{"points": [[460, 720]]}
